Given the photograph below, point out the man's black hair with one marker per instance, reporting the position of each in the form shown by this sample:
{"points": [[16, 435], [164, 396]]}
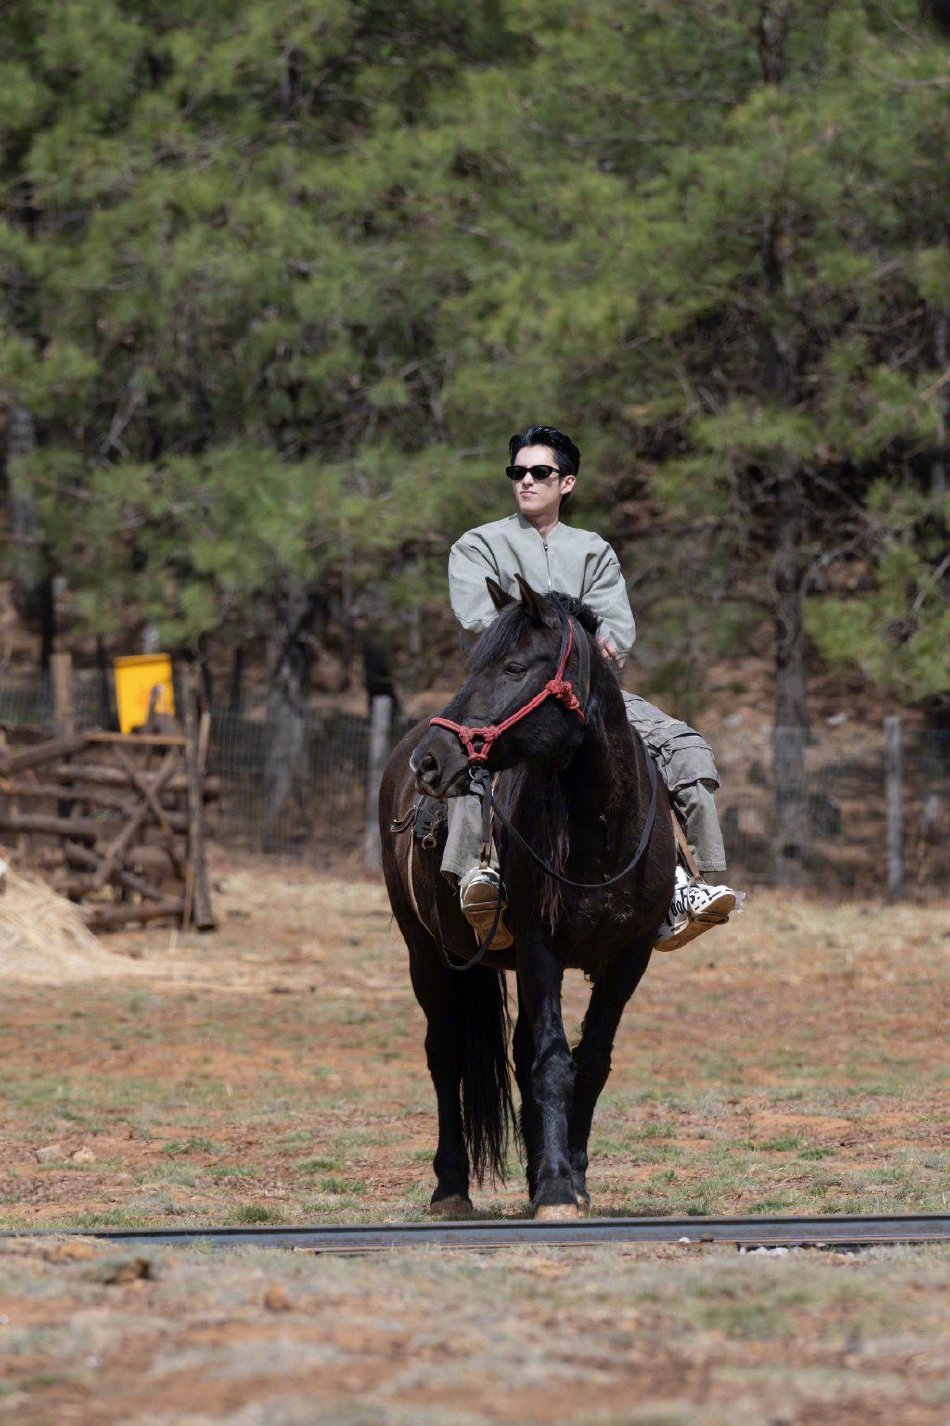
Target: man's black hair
{"points": [[566, 455]]}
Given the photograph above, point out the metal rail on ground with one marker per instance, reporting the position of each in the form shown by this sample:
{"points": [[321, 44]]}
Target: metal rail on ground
{"points": [[489, 1233]]}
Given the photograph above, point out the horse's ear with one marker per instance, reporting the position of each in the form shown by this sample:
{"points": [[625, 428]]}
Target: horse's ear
{"points": [[534, 603], [498, 596]]}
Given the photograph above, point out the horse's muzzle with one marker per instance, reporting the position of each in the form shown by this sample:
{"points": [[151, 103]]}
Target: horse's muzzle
{"points": [[439, 766]]}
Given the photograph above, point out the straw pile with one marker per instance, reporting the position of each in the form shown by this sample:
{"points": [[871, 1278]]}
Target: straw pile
{"points": [[43, 936]]}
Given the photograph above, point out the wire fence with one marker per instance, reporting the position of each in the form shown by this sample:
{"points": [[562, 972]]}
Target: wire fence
{"points": [[849, 820], [28, 703], [317, 806], [302, 791]]}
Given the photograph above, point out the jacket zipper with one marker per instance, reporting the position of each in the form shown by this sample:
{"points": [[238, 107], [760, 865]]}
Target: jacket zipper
{"points": [[547, 564]]}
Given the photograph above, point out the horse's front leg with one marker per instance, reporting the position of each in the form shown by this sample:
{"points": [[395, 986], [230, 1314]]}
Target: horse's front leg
{"points": [[552, 1083], [522, 1046], [593, 1054]]}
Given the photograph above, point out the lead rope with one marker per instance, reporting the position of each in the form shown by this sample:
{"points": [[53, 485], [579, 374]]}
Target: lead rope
{"points": [[479, 777], [403, 824]]}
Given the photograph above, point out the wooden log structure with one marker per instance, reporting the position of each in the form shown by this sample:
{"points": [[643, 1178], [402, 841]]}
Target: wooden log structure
{"points": [[101, 775], [114, 821]]}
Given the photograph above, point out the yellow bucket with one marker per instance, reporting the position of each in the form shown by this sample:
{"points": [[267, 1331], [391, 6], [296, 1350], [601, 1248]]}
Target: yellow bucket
{"points": [[135, 677]]}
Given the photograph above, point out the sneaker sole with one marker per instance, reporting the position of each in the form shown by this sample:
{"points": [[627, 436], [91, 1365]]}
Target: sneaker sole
{"points": [[689, 933], [716, 911], [478, 908], [715, 914]]}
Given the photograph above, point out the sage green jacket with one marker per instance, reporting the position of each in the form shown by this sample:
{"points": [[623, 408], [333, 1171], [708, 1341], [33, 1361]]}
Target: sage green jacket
{"points": [[574, 561]]}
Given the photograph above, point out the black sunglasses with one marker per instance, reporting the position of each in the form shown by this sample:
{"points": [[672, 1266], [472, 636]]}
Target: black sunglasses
{"points": [[537, 472]]}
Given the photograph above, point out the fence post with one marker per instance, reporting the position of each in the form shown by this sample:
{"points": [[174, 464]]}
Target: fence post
{"points": [[380, 721], [196, 899], [895, 812], [61, 680]]}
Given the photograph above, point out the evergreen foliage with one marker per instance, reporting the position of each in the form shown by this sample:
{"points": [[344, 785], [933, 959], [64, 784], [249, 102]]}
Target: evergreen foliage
{"points": [[278, 278]]}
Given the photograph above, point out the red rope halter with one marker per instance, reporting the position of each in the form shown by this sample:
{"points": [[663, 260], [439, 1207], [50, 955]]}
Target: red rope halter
{"points": [[557, 687]]}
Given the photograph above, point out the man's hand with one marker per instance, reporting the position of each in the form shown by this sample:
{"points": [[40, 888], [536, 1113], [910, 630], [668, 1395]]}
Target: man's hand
{"points": [[609, 650]]}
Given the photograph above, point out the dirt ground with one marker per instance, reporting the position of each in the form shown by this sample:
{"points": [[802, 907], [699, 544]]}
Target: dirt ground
{"points": [[273, 1072]]}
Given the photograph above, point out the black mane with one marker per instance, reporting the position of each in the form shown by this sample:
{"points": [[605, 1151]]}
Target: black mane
{"points": [[537, 796], [507, 631]]}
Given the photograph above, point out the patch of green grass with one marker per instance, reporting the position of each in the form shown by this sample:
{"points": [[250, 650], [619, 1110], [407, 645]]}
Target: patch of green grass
{"points": [[97, 1166], [342, 1185], [87, 1098], [230, 1171], [115, 1218], [892, 1088], [296, 1139], [38, 1381], [783, 1145], [608, 1144], [318, 1165], [779, 1202], [377, 1136], [656, 1129], [183, 1174], [190, 1146], [256, 1213]]}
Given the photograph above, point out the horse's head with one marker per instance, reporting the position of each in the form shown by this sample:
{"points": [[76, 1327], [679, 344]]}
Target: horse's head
{"points": [[523, 702]]}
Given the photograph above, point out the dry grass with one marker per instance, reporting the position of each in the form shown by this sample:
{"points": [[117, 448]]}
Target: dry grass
{"points": [[794, 1061], [659, 1337], [43, 939]]}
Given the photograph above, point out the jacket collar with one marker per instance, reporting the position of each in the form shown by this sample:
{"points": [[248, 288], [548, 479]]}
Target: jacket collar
{"points": [[524, 524]]}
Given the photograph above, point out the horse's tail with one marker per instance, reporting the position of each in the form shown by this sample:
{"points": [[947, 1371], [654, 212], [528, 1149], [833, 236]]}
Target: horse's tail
{"points": [[488, 1113]]}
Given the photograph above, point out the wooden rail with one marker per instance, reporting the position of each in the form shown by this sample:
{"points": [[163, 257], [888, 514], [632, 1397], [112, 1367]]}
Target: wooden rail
{"points": [[115, 821]]}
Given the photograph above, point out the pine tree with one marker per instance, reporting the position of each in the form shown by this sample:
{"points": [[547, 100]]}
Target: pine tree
{"points": [[278, 279], [750, 307]]}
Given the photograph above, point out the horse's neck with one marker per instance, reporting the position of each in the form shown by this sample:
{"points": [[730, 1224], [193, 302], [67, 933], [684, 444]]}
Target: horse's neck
{"points": [[605, 772], [602, 784]]}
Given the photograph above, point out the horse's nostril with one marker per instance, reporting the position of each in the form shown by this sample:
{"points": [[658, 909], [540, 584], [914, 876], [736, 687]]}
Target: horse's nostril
{"points": [[425, 766]]}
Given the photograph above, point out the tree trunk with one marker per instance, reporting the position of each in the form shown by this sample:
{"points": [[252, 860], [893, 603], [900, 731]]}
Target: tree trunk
{"points": [[787, 578], [786, 570], [105, 686], [347, 639], [771, 37], [236, 684], [938, 474], [207, 679], [286, 716], [32, 585]]}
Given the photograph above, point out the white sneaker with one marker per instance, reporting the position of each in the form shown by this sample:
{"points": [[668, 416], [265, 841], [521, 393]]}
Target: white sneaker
{"points": [[696, 907], [480, 891]]}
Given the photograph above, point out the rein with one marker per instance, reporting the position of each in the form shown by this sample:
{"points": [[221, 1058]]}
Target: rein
{"points": [[566, 880]]}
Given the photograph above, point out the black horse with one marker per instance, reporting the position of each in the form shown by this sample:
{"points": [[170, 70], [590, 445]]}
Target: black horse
{"points": [[575, 787]]}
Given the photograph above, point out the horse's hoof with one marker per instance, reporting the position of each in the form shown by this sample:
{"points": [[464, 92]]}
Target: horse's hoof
{"points": [[454, 1207], [558, 1212], [583, 1200]]}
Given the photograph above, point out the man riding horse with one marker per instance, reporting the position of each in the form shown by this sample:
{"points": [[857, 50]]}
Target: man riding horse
{"points": [[552, 556]]}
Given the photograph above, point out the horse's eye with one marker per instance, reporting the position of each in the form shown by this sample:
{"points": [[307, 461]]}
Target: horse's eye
{"points": [[514, 670]]}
